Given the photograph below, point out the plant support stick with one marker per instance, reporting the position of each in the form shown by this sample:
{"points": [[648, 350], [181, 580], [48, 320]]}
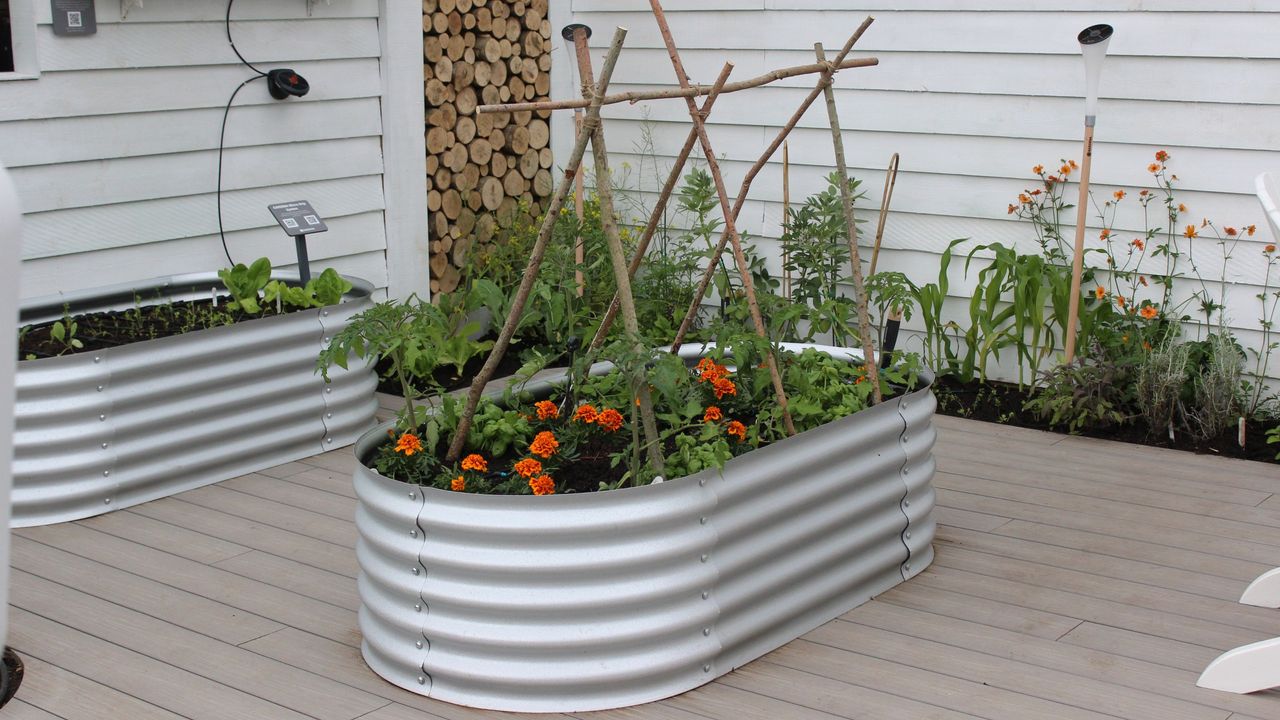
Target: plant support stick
{"points": [[535, 256]]}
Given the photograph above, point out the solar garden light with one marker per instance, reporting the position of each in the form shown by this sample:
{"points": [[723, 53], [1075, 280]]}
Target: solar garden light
{"points": [[1093, 45], [568, 32]]}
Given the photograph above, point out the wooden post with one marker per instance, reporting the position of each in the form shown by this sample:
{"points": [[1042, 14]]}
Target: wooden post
{"points": [[579, 252], [536, 254], [846, 197], [1077, 262], [890, 179], [827, 70], [786, 220], [655, 218], [617, 256], [730, 229]]}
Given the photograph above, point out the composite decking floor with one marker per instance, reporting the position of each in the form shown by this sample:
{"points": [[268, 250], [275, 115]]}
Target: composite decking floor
{"points": [[1074, 578]]}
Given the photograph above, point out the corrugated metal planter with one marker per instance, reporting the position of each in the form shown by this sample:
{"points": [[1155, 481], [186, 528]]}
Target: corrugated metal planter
{"points": [[98, 431], [599, 600]]}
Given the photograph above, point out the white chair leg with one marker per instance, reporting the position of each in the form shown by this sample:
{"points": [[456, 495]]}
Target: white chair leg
{"points": [[1265, 591], [1248, 668]]}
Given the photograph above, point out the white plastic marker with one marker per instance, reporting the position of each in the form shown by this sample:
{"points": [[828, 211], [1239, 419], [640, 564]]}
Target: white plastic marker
{"points": [[1093, 45], [10, 237]]}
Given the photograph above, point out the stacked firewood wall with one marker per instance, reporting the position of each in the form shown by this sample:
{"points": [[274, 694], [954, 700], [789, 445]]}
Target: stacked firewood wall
{"points": [[481, 167]]}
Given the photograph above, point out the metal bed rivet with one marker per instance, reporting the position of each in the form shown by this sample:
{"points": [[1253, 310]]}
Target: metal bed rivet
{"points": [[105, 473], [328, 415], [706, 631], [415, 571], [422, 680], [906, 471], [104, 446], [706, 595], [704, 558], [906, 503], [97, 358], [324, 340], [417, 607], [702, 520], [706, 668], [328, 390], [106, 501], [412, 496], [907, 567], [325, 313], [908, 534], [99, 388], [102, 417], [413, 533], [904, 440], [329, 440], [419, 644]]}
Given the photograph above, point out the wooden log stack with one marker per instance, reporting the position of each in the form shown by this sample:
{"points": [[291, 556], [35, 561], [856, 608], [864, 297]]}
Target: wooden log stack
{"points": [[481, 167]]}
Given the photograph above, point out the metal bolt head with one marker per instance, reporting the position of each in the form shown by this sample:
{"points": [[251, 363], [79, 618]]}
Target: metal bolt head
{"points": [[414, 533], [419, 644], [906, 470], [100, 388], [329, 440], [706, 668], [328, 390], [106, 501], [105, 473], [705, 595], [702, 482], [325, 313], [417, 607], [324, 339], [907, 567], [908, 534], [905, 440], [706, 631], [102, 417], [702, 520], [412, 496], [415, 571], [906, 503], [328, 415], [97, 358], [104, 446], [422, 680], [704, 558]]}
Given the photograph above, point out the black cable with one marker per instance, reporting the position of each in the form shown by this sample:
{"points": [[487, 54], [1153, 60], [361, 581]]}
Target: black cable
{"points": [[233, 42], [222, 134]]}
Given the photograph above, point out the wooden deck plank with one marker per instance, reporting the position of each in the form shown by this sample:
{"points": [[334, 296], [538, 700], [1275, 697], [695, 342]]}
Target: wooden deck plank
{"points": [[1022, 620], [165, 602], [276, 514], [69, 696], [176, 539], [295, 577], [18, 709], [1133, 678], [252, 534], [332, 481], [230, 665], [294, 495], [1119, 642], [153, 681]]}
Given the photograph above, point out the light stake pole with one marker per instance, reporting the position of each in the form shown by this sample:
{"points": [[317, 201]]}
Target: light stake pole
{"points": [[579, 256], [1093, 45]]}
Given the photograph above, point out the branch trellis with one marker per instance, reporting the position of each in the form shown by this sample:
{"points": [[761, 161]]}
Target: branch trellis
{"points": [[594, 98]]}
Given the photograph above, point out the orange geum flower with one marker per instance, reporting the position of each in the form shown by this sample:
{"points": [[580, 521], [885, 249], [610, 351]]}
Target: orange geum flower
{"points": [[585, 413], [1249, 230], [1012, 208], [1118, 195], [1269, 249], [1137, 242], [712, 414], [528, 467], [1190, 232], [1153, 168], [610, 420], [544, 444], [1144, 193], [1230, 231], [1182, 208], [542, 485], [1120, 301], [1024, 198], [736, 429], [546, 409], [1039, 169], [1065, 169], [1099, 292], [724, 386], [1037, 191], [1142, 280], [1072, 164], [475, 462], [408, 444], [1149, 312], [1162, 155], [1104, 234], [459, 484]]}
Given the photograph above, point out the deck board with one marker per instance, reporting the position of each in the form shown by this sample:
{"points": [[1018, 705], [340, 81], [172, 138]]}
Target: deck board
{"points": [[1074, 578]]}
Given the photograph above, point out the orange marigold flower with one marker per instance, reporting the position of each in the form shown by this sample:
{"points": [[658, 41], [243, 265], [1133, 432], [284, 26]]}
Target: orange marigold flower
{"points": [[860, 379], [408, 444], [1142, 280], [1190, 232], [1039, 169], [609, 419], [1099, 292], [1118, 195], [546, 409], [1149, 312], [709, 371], [542, 485], [712, 414], [544, 444], [1137, 242], [1230, 231], [585, 413], [1162, 155], [1182, 208], [528, 467], [736, 429], [1153, 168], [459, 484], [1269, 249], [1249, 230], [1104, 234], [1146, 345], [475, 462], [724, 386]]}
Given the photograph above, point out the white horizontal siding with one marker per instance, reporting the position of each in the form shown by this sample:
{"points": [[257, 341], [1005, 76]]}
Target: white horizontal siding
{"points": [[114, 147], [972, 95]]}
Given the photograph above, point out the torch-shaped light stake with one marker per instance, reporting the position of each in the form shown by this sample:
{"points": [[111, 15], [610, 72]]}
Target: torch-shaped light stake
{"points": [[1093, 45], [568, 32]]}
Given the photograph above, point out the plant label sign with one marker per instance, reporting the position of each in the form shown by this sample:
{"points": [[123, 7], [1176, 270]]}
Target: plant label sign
{"points": [[74, 17], [298, 218]]}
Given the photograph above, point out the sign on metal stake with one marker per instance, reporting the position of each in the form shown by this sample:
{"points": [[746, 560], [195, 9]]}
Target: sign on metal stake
{"points": [[298, 219]]}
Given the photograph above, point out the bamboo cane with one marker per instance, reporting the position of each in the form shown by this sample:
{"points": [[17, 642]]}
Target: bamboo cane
{"points": [[630, 323], [536, 254], [579, 252], [754, 170], [1077, 262], [859, 288], [890, 179], [655, 218], [686, 92], [786, 220], [714, 168]]}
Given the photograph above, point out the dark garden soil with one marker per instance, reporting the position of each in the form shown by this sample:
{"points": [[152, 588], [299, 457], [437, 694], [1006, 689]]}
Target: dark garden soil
{"points": [[102, 330], [1003, 403]]}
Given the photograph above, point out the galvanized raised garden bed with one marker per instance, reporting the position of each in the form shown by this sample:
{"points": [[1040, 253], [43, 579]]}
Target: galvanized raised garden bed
{"points": [[599, 600], [97, 431]]}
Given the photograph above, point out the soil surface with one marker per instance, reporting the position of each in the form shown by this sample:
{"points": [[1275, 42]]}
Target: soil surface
{"points": [[445, 377], [102, 330], [1003, 403]]}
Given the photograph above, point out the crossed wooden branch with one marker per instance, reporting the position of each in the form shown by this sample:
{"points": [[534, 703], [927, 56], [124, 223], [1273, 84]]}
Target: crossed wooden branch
{"points": [[594, 98]]}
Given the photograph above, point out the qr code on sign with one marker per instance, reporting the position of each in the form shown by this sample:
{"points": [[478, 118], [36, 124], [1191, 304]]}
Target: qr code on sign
{"points": [[73, 19]]}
